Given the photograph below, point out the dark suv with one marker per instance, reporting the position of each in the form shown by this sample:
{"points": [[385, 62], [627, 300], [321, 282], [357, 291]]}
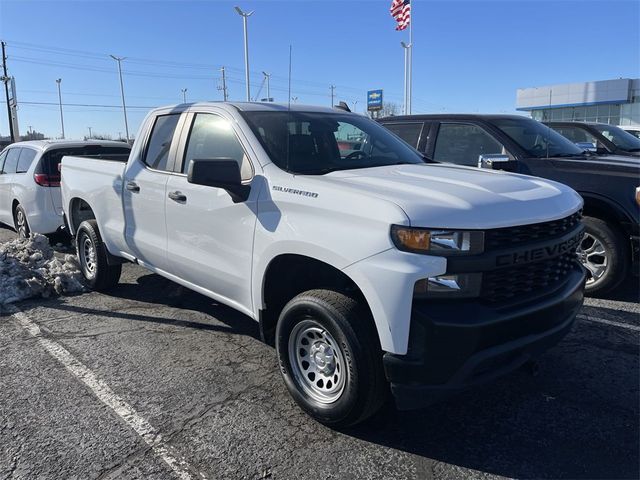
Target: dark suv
{"points": [[600, 138], [609, 185]]}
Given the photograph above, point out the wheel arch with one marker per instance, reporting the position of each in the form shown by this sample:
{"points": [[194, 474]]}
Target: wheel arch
{"points": [[289, 274], [79, 210], [604, 209]]}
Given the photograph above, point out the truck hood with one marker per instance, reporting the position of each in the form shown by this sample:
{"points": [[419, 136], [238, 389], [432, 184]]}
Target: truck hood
{"points": [[600, 163], [448, 196]]}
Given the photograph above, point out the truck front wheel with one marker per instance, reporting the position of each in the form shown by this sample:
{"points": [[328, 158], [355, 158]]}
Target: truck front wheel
{"points": [[92, 256], [330, 357]]}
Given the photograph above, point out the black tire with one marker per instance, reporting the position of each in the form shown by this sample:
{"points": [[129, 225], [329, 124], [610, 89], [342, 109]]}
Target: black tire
{"points": [[99, 275], [20, 222], [613, 264], [339, 317]]}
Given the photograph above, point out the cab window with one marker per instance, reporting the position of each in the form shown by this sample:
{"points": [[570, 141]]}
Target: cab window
{"points": [[409, 132], [212, 138], [463, 144], [576, 135], [157, 154]]}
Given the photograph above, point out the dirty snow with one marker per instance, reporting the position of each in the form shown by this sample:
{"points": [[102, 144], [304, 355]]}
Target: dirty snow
{"points": [[29, 268]]}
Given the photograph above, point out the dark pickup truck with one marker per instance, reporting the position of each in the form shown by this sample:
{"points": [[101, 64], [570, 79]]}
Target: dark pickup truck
{"points": [[609, 184], [600, 138]]}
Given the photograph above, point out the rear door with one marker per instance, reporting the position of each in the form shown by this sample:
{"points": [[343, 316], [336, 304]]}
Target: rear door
{"points": [[410, 132], [210, 237], [145, 181], [7, 177]]}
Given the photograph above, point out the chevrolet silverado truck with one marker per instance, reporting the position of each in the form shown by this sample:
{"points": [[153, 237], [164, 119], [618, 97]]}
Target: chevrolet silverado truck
{"points": [[369, 269], [609, 185]]}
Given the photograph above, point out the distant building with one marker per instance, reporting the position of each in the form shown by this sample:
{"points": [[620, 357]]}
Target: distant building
{"points": [[615, 102]]}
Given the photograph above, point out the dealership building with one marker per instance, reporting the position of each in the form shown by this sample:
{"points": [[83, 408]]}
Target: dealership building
{"points": [[615, 102]]}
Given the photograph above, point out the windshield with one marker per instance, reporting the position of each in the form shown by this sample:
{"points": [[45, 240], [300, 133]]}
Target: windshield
{"points": [[318, 143], [621, 139], [536, 138]]}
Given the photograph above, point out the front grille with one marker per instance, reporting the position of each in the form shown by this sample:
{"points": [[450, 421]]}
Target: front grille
{"points": [[513, 236], [516, 283]]}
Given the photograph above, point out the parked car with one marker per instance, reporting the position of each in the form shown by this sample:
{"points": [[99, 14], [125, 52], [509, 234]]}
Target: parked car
{"points": [[632, 129], [364, 268], [30, 181], [600, 138], [608, 184]]}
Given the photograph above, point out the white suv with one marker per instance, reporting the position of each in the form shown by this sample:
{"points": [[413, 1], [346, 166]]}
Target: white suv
{"points": [[30, 181]]}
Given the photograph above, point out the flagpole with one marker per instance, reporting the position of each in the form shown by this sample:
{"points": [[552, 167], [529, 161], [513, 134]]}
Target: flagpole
{"points": [[410, 53]]}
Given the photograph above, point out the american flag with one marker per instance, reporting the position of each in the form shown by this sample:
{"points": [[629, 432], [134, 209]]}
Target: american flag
{"points": [[401, 11]]}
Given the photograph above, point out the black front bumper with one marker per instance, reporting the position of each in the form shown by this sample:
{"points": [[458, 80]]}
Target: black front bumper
{"points": [[457, 345]]}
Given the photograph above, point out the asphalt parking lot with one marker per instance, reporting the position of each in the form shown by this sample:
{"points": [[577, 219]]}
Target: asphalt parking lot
{"points": [[152, 381]]}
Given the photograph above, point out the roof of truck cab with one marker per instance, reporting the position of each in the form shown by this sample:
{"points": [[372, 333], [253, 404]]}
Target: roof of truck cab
{"points": [[452, 116], [44, 145], [257, 107]]}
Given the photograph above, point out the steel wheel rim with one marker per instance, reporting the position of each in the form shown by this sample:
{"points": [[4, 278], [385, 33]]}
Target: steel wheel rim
{"points": [[594, 257], [317, 362], [87, 253], [21, 223]]}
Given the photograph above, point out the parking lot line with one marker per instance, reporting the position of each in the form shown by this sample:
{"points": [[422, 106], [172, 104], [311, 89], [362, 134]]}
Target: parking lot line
{"points": [[103, 392], [635, 328]]}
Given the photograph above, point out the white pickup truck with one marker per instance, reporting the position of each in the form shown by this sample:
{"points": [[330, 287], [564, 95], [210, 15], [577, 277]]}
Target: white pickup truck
{"points": [[366, 264]]}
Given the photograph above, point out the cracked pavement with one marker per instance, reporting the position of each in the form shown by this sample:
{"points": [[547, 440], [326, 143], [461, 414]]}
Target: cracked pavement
{"points": [[198, 373]]}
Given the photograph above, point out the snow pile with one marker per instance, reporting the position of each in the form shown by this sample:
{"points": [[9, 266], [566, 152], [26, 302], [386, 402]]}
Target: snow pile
{"points": [[29, 268]]}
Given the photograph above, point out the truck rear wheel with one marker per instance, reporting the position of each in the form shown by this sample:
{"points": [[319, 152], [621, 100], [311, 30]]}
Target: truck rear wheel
{"points": [[604, 252], [332, 372], [92, 256]]}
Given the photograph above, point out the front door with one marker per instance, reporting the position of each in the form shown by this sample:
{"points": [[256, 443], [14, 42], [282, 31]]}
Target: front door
{"points": [[9, 164], [210, 237], [144, 194]]}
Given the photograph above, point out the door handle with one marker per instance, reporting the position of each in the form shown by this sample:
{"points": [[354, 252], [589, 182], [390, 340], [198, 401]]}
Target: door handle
{"points": [[132, 187], [177, 196]]}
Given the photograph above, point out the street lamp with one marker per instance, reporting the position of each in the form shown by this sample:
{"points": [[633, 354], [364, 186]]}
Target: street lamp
{"points": [[268, 77], [246, 48], [59, 81], [407, 109], [124, 106], [90, 136], [184, 95]]}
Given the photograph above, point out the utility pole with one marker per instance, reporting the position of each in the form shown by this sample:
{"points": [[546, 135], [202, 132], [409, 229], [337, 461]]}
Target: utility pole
{"points": [[246, 48], [184, 95], [5, 79], [268, 77], [59, 81], [333, 88], [124, 106], [224, 85], [90, 136]]}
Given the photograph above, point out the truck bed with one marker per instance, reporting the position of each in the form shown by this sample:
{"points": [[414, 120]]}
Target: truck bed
{"points": [[98, 177]]}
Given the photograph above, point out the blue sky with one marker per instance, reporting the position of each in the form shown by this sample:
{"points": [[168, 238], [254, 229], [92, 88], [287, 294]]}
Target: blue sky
{"points": [[470, 56]]}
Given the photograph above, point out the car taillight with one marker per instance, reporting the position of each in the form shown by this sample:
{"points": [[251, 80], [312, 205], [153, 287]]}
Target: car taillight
{"points": [[45, 180]]}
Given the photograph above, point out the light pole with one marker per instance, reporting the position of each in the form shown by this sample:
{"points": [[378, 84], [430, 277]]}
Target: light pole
{"points": [[406, 48], [90, 136], [294, 99], [59, 81], [124, 106], [184, 95], [268, 77], [246, 48]]}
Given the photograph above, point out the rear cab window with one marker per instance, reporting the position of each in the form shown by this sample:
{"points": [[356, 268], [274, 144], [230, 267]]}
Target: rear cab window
{"points": [[50, 163], [409, 132], [159, 146]]}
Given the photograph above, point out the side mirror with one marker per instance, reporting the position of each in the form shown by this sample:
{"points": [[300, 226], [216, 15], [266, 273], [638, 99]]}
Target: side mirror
{"points": [[496, 161], [220, 173]]}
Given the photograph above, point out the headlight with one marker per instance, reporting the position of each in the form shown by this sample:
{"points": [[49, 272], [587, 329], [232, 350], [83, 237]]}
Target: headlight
{"points": [[462, 285], [638, 195], [437, 242]]}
